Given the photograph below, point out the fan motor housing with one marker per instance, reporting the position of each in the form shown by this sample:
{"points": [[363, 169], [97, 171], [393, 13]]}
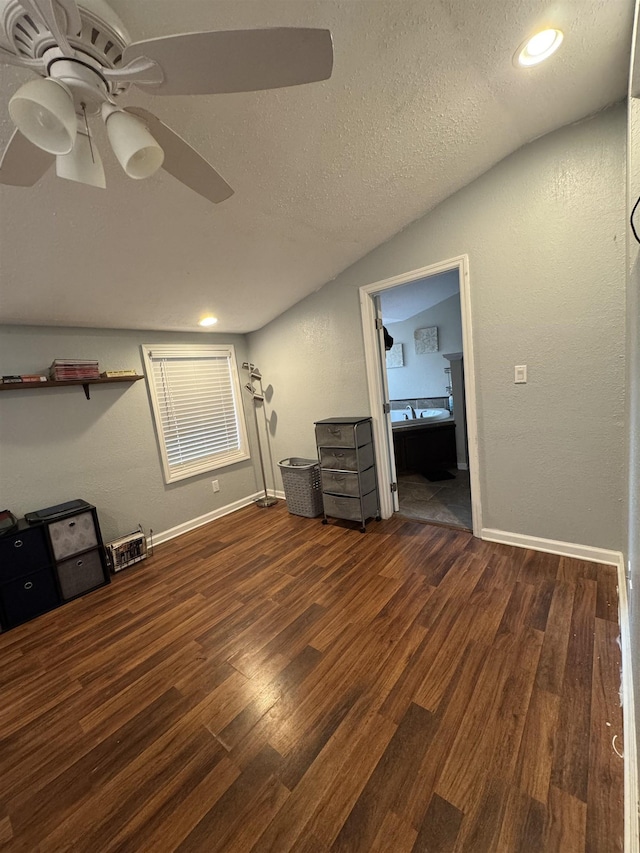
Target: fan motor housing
{"points": [[100, 42]]}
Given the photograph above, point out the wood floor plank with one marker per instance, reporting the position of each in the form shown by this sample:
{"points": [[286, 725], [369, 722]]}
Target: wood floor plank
{"points": [[607, 596], [481, 826], [286, 681], [269, 683], [325, 795], [144, 798], [309, 844], [566, 822], [214, 830], [448, 718], [518, 609], [493, 739], [55, 787], [606, 767], [171, 825], [468, 761], [394, 835], [115, 802], [478, 621], [523, 824], [535, 757], [352, 769], [440, 828], [6, 830], [571, 760], [395, 772], [553, 657]]}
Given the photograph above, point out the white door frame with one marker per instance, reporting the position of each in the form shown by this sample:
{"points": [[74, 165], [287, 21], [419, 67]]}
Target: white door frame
{"points": [[372, 355]]}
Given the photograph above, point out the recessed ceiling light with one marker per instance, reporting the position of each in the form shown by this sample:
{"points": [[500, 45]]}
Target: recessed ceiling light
{"points": [[208, 321], [538, 48]]}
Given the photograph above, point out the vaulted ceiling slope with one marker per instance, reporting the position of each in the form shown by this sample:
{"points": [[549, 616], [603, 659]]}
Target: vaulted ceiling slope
{"points": [[424, 97]]}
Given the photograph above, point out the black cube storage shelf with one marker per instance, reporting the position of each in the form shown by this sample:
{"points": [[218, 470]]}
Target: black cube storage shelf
{"points": [[28, 585], [52, 562]]}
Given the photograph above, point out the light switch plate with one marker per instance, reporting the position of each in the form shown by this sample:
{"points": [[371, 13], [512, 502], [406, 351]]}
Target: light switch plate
{"points": [[520, 374]]}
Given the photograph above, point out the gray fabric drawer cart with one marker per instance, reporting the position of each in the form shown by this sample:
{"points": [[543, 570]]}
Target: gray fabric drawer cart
{"points": [[347, 469]]}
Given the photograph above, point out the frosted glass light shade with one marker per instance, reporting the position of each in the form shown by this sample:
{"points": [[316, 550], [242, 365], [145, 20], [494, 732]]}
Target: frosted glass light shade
{"points": [[80, 166], [136, 150], [43, 111]]}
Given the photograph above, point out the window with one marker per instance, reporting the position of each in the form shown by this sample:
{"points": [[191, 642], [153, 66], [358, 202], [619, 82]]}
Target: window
{"points": [[195, 394]]}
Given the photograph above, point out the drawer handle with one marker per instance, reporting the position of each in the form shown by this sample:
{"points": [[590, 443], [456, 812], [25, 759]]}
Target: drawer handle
{"points": [[72, 524], [79, 563], [18, 543], [28, 585]]}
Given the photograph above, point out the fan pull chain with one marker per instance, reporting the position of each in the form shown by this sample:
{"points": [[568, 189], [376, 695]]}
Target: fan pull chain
{"points": [[86, 124]]}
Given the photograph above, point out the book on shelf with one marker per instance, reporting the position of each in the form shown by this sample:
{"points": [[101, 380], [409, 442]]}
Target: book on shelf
{"points": [[74, 362], [33, 377], [113, 374], [74, 368], [7, 380], [66, 375]]}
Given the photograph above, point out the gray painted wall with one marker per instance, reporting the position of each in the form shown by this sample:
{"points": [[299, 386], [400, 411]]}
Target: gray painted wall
{"points": [[545, 235], [423, 374], [56, 445]]}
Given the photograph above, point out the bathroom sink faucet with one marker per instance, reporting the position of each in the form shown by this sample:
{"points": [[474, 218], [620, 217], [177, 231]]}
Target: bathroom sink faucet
{"points": [[412, 410]]}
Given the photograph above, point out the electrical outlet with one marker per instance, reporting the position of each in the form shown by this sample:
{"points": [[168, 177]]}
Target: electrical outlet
{"points": [[520, 377], [215, 485]]}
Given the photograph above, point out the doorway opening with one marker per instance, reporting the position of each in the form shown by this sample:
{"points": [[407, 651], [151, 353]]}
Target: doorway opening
{"points": [[423, 363], [422, 394]]}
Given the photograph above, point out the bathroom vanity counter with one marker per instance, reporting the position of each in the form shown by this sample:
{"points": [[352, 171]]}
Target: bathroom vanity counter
{"points": [[421, 423], [424, 445]]}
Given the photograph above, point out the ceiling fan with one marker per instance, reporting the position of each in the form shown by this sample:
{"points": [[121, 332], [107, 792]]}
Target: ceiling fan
{"points": [[86, 60]]}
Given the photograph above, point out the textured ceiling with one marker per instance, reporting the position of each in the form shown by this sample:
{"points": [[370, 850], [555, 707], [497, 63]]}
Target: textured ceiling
{"points": [[423, 99], [406, 300]]}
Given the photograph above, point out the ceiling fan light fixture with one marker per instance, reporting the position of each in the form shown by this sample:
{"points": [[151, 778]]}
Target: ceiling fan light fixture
{"points": [[136, 150], [43, 111], [538, 47], [83, 164]]}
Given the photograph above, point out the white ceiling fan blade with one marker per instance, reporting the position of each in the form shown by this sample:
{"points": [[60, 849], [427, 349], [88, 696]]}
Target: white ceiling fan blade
{"points": [[237, 60], [140, 70], [183, 162], [23, 163], [72, 14], [37, 65]]}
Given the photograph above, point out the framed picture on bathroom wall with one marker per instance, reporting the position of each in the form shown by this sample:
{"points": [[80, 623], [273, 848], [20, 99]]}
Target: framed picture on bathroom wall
{"points": [[395, 356], [426, 340]]}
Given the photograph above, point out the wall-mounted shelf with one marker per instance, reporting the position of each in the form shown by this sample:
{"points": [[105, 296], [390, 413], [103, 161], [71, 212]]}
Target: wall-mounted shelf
{"points": [[52, 383]]}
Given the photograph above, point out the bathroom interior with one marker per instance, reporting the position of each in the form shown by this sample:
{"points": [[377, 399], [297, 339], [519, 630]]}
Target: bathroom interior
{"points": [[425, 379]]}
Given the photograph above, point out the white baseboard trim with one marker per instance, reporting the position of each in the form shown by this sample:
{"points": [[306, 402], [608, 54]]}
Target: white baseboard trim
{"points": [[631, 825], [553, 546], [166, 535]]}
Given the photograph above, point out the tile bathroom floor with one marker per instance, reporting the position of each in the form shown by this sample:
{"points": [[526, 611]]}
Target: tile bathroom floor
{"points": [[444, 501]]}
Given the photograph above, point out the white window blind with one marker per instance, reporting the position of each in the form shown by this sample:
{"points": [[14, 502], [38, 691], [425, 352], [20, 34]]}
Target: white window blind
{"points": [[197, 407]]}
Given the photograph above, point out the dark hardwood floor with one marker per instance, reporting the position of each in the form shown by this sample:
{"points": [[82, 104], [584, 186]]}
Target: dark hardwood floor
{"points": [[267, 683]]}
